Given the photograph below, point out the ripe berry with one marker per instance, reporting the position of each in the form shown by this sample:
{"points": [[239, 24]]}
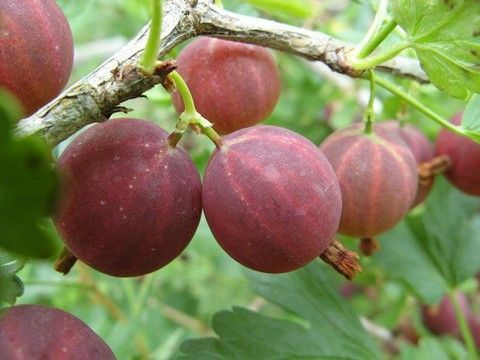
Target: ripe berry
{"points": [[41, 332], [271, 199], [234, 85], [131, 202], [465, 157], [378, 178], [36, 54], [441, 319], [422, 149]]}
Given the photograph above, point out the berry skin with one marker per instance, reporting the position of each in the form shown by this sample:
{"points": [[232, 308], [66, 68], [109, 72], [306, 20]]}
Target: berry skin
{"points": [[378, 178], [36, 55], [41, 332], [131, 202], [465, 157], [440, 319], [271, 199], [234, 85], [422, 150]]}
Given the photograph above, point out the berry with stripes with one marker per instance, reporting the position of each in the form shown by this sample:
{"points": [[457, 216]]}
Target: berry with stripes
{"points": [[378, 178], [271, 199]]}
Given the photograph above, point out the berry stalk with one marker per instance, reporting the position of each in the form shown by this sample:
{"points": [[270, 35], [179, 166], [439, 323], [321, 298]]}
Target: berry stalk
{"points": [[375, 35], [149, 58], [190, 116], [464, 328], [422, 108]]}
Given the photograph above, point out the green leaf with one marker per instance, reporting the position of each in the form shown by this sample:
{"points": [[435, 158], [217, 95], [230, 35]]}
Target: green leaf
{"points": [[436, 250], [471, 116], [27, 190], [11, 286], [446, 38], [296, 8], [320, 325], [474, 135], [431, 348]]}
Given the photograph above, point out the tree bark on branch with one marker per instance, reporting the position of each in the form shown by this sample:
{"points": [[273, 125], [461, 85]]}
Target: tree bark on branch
{"points": [[99, 95]]}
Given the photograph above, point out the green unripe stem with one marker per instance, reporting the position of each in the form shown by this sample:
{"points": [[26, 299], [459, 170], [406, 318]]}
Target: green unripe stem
{"points": [[149, 58], [184, 92], [377, 39], [206, 127], [419, 106], [369, 116], [368, 44], [374, 60], [464, 328], [190, 116]]}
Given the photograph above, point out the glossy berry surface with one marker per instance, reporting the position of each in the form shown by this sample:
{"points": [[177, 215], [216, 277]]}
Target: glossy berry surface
{"points": [[271, 199], [131, 202], [36, 51], [422, 150], [41, 332], [378, 178], [465, 157], [234, 85]]}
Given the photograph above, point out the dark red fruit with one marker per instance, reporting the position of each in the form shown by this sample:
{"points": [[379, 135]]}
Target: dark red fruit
{"points": [[132, 202], [36, 51], [234, 85], [465, 156], [441, 319], [378, 177], [422, 149], [271, 199], [41, 332]]}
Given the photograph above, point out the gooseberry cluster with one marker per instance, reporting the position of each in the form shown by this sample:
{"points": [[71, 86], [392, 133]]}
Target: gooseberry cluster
{"points": [[132, 198]]}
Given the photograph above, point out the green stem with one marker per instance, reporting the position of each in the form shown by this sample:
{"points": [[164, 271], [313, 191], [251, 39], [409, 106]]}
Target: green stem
{"points": [[184, 92], [374, 60], [364, 49], [464, 328], [210, 133], [419, 106], [149, 58], [190, 116], [369, 117], [219, 3]]}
